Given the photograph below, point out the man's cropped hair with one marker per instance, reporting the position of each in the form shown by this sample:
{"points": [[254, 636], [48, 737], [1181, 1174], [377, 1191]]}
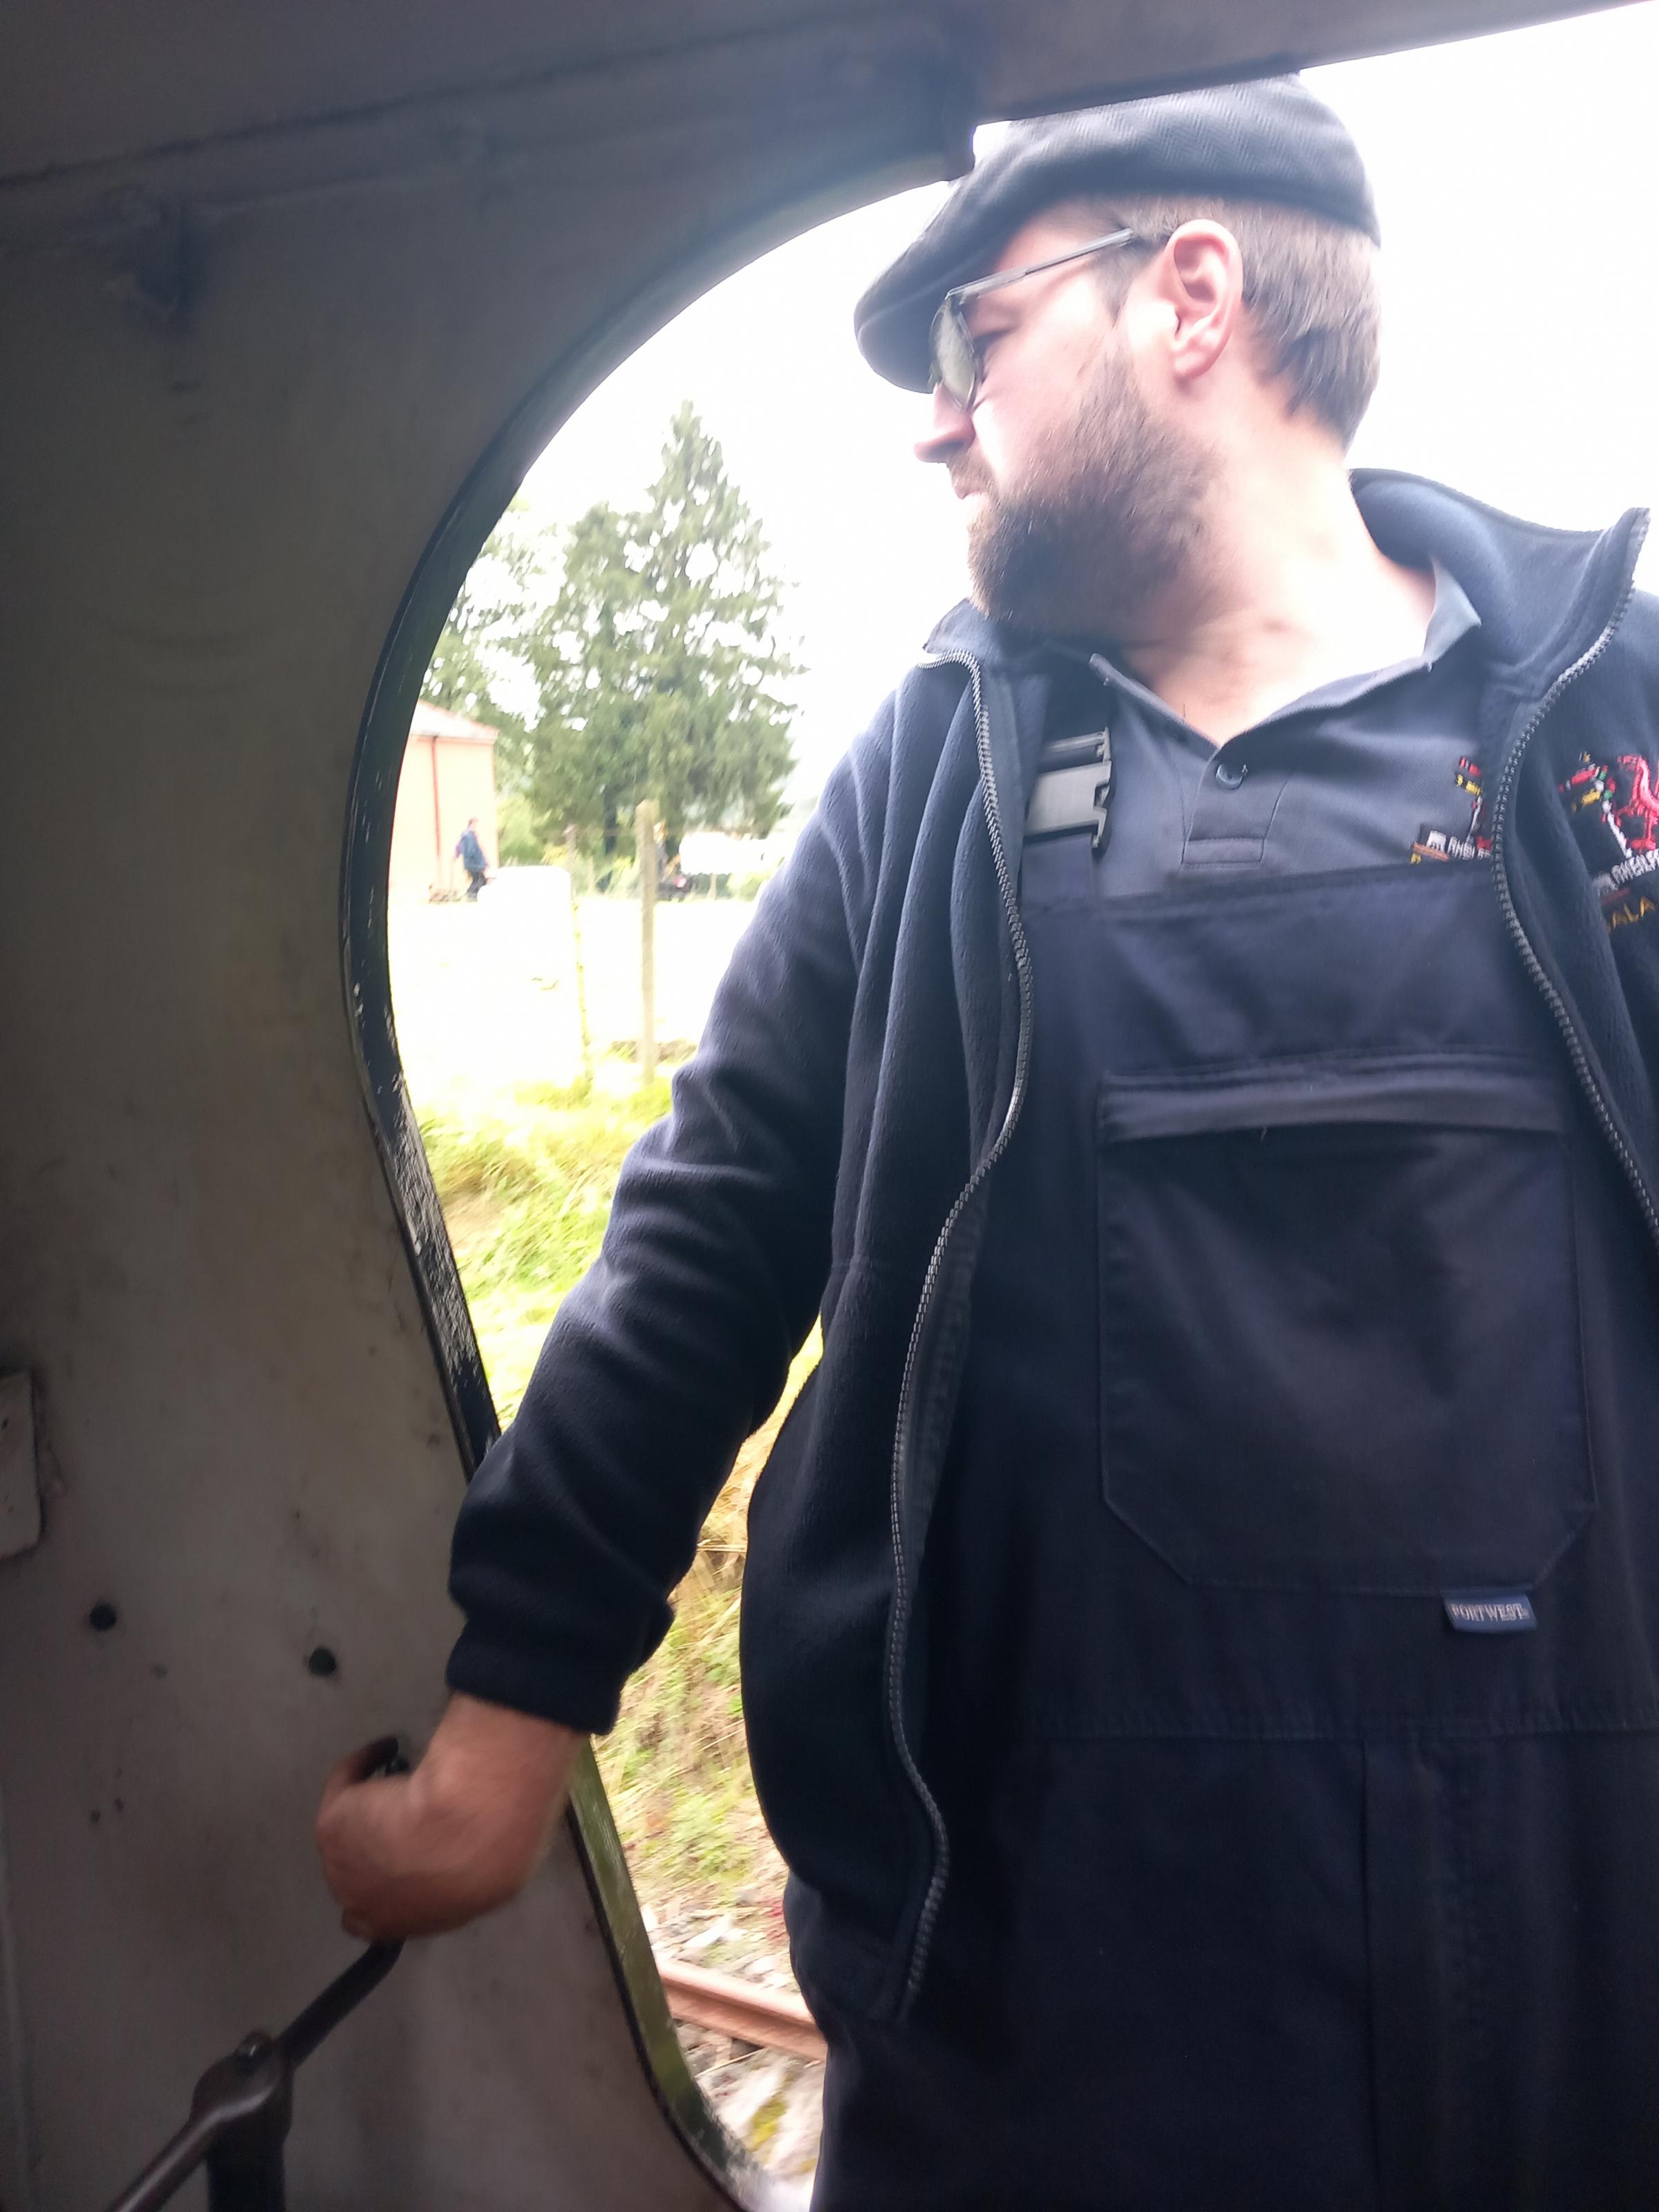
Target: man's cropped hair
{"points": [[1310, 290]]}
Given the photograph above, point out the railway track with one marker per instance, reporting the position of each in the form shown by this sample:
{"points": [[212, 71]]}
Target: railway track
{"points": [[777, 2019]]}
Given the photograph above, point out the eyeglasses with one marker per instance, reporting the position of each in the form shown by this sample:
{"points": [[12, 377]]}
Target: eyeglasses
{"points": [[956, 359]]}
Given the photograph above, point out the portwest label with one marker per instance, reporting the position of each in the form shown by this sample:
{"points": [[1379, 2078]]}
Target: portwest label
{"points": [[1490, 1612]]}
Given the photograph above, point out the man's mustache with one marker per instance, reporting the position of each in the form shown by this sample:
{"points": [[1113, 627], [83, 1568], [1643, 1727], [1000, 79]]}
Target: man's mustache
{"points": [[966, 475]]}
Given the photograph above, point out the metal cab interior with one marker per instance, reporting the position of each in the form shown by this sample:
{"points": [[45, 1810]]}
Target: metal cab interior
{"points": [[289, 299]]}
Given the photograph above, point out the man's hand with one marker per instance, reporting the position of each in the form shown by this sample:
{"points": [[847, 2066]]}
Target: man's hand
{"points": [[417, 1854]]}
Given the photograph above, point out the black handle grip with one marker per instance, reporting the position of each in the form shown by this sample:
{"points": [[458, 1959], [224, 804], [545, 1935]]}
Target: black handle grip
{"points": [[242, 2105]]}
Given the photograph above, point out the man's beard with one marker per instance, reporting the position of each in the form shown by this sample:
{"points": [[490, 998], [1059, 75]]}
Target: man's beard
{"points": [[1104, 522]]}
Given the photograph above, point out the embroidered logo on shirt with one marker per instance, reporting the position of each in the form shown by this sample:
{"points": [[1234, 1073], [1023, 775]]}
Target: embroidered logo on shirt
{"points": [[1473, 843], [1614, 807]]}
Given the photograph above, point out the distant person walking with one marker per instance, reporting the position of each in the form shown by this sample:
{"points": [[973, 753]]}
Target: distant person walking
{"points": [[470, 854]]}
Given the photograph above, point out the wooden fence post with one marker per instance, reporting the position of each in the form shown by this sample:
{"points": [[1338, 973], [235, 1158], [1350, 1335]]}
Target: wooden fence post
{"points": [[576, 950], [645, 824]]}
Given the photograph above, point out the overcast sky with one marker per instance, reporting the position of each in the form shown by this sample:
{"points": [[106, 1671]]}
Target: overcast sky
{"points": [[1517, 179]]}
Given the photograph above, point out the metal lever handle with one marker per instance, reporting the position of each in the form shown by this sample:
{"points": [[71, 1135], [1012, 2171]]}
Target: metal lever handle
{"points": [[243, 2106]]}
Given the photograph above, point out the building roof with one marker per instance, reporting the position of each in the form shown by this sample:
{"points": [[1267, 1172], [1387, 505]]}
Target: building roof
{"points": [[432, 721]]}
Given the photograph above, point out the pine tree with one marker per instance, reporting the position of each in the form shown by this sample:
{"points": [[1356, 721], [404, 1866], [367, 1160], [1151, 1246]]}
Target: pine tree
{"points": [[658, 666], [485, 641]]}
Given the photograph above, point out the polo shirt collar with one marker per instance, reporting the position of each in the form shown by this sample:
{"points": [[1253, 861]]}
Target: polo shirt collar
{"points": [[1452, 618]]}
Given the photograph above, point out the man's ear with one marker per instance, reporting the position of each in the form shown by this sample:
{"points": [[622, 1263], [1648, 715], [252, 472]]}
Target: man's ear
{"points": [[1198, 279]]}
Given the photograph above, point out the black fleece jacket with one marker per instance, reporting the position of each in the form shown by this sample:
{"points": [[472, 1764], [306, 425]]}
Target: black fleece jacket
{"points": [[828, 1150]]}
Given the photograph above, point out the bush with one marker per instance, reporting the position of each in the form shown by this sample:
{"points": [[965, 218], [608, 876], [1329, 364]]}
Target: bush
{"points": [[749, 887], [518, 839], [526, 1203]]}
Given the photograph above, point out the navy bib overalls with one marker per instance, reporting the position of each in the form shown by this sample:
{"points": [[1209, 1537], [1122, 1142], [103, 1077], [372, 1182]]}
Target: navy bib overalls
{"points": [[1292, 1596]]}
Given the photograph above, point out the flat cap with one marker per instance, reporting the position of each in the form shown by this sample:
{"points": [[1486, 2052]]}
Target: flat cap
{"points": [[1270, 140]]}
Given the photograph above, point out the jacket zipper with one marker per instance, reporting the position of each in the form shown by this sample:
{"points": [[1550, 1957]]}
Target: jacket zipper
{"points": [[1535, 967], [899, 1623]]}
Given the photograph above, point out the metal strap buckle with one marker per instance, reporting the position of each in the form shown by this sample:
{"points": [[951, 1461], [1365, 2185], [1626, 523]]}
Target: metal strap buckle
{"points": [[1072, 790]]}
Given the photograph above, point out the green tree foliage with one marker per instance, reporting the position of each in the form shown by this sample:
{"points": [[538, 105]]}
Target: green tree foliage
{"points": [[661, 675], [520, 838], [648, 642], [489, 625]]}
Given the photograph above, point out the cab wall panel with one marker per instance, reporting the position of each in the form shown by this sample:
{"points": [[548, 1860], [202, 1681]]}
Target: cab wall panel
{"points": [[207, 527], [218, 72]]}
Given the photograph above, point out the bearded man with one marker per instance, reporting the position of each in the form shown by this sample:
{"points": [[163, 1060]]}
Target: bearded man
{"points": [[1201, 1616]]}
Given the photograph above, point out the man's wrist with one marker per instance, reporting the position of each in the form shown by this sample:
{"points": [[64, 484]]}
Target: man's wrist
{"points": [[491, 1767]]}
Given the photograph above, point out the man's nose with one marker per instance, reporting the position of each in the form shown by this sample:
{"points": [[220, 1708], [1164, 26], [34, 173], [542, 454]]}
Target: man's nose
{"points": [[950, 430]]}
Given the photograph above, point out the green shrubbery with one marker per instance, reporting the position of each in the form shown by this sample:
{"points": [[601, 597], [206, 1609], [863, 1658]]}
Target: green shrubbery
{"points": [[530, 1196]]}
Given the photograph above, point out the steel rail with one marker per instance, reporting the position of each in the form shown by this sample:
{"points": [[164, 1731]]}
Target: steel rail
{"points": [[774, 2018]]}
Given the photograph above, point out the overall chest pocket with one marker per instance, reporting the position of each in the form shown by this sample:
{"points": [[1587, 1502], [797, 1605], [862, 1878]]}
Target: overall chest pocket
{"points": [[1339, 1332]]}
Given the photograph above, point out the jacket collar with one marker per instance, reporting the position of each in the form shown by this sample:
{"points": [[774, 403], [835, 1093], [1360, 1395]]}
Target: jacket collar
{"points": [[992, 644], [1543, 596]]}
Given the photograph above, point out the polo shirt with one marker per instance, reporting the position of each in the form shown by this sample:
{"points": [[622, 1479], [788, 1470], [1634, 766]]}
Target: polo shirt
{"points": [[1370, 769]]}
